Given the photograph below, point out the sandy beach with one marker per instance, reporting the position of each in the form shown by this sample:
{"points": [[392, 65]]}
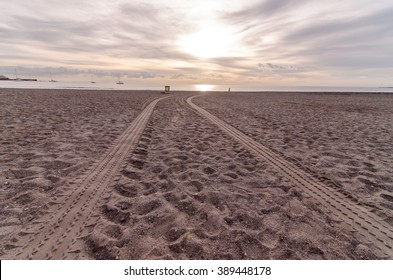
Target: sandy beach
{"points": [[343, 138], [176, 186]]}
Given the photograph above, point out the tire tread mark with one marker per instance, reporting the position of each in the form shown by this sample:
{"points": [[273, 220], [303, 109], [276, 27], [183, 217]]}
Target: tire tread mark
{"points": [[72, 216], [373, 229]]}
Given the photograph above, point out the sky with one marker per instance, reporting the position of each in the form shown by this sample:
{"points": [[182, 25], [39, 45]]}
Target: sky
{"points": [[248, 43]]}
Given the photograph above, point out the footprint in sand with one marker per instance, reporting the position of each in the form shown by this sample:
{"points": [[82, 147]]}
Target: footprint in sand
{"points": [[126, 190], [174, 234], [124, 205], [131, 174], [113, 231], [387, 197], [194, 186], [137, 163], [141, 152], [115, 215], [209, 170], [148, 207]]}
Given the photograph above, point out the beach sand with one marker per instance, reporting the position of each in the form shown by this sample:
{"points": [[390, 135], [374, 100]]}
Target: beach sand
{"points": [[343, 138], [187, 190]]}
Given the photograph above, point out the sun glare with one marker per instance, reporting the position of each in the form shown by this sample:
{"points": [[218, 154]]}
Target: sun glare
{"points": [[204, 87], [208, 42]]}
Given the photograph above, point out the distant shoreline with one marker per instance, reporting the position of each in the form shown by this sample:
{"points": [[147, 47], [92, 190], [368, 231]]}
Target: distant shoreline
{"points": [[45, 84], [21, 80]]}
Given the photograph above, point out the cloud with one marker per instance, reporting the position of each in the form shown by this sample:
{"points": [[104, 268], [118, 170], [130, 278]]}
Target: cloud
{"points": [[355, 42], [271, 67], [265, 9], [329, 35], [140, 38], [177, 76], [125, 31]]}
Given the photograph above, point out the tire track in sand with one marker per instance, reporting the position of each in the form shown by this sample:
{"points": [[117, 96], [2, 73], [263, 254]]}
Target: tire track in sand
{"points": [[367, 227], [54, 237]]}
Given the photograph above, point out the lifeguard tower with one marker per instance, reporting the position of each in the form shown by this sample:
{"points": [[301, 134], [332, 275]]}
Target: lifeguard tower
{"points": [[167, 89]]}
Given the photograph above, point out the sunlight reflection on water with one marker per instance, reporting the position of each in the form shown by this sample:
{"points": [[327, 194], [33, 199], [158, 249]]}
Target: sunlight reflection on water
{"points": [[204, 87]]}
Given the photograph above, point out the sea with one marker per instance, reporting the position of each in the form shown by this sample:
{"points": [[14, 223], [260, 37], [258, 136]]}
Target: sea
{"points": [[130, 86]]}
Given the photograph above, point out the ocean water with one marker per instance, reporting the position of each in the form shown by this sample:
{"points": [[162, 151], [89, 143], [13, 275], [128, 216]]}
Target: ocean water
{"points": [[68, 85], [130, 86]]}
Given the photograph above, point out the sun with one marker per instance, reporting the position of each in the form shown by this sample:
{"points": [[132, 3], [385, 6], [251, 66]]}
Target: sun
{"points": [[208, 42]]}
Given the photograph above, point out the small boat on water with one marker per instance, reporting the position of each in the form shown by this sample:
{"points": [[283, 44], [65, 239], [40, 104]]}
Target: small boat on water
{"points": [[119, 82], [51, 80]]}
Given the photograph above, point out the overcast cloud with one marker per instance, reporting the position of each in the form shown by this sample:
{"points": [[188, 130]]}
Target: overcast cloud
{"points": [[283, 42]]}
